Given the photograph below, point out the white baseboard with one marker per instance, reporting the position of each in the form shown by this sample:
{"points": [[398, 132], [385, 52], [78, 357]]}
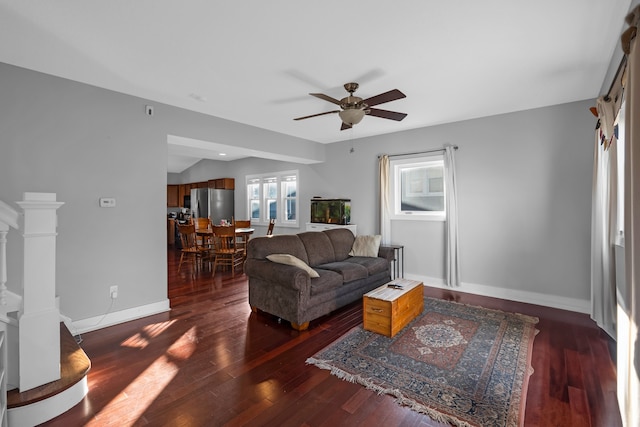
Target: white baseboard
{"points": [[98, 322], [553, 301]]}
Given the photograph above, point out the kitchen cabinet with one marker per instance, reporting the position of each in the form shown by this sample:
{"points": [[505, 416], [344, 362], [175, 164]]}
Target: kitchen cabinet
{"points": [[173, 200], [184, 190], [176, 193], [222, 183]]}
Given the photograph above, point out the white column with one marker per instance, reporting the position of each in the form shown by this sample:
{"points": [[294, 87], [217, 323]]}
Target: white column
{"points": [[39, 320]]}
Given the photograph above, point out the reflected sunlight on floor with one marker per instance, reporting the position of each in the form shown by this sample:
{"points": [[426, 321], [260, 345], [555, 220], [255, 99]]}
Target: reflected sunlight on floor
{"points": [[141, 339], [146, 387]]}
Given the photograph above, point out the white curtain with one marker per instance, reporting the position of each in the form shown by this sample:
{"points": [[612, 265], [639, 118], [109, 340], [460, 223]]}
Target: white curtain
{"points": [[451, 200], [604, 215], [385, 209], [629, 336]]}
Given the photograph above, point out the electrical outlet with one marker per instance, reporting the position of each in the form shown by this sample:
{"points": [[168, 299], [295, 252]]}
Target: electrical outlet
{"points": [[113, 291]]}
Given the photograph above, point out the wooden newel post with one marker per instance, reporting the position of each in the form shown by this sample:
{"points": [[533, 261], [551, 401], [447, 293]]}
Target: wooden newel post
{"points": [[39, 320]]}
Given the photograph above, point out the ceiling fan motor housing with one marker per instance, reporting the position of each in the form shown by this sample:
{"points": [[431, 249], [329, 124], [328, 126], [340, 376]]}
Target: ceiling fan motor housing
{"points": [[352, 102]]}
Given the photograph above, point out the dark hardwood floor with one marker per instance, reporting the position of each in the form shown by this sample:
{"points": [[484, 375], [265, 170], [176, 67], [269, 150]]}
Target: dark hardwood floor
{"points": [[210, 361]]}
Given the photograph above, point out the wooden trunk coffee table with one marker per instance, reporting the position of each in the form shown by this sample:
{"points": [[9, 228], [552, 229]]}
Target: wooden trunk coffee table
{"points": [[389, 308]]}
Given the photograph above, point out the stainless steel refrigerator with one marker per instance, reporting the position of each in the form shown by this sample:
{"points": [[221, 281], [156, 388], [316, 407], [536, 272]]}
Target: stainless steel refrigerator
{"points": [[212, 203]]}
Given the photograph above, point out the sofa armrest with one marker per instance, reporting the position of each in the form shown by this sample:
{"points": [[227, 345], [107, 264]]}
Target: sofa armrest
{"points": [[386, 252], [282, 274]]}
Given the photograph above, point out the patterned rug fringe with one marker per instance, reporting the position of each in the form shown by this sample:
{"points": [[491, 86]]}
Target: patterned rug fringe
{"points": [[400, 399], [524, 317]]}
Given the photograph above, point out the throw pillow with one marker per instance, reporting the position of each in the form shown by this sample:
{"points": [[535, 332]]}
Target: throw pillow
{"points": [[366, 246], [291, 260]]}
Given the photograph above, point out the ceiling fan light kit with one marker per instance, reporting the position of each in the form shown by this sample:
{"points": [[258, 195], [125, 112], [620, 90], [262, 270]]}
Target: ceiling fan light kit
{"points": [[352, 116], [354, 108]]}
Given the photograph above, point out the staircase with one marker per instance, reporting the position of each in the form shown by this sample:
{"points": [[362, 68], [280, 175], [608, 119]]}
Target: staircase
{"points": [[42, 369], [49, 400]]}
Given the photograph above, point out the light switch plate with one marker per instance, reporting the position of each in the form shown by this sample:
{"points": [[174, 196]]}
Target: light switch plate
{"points": [[107, 202]]}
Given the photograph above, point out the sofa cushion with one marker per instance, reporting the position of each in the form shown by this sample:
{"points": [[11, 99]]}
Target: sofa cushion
{"points": [[327, 281], [260, 247], [341, 240], [348, 270], [366, 246], [291, 260], [373, 265], [318, 246]]}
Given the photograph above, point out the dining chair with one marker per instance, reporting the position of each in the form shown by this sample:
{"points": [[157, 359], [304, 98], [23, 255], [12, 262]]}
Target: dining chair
{"points": [[203, 224], [242, 239], [272, 224], [243, 223], [190, 246], [225, 250]]}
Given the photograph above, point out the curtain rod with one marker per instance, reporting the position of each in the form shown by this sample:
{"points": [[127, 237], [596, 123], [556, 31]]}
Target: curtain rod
{"points": [[455, 147], [618, 75]]}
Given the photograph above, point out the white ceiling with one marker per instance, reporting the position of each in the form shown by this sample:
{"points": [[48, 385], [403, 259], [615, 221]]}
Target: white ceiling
{"points": [[255, 61]]}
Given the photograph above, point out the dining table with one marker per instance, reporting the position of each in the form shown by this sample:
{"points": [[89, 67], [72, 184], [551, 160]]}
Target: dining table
{"points": [[241, 232], [244, 233], [247, 231]]}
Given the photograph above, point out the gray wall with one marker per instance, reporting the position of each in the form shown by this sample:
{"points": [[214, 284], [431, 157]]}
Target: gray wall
{"points": [[84, 143], [524, 189], [204, 170], [524, 194], [524, 184]]}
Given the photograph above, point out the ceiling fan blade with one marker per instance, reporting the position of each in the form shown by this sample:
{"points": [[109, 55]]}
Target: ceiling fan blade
{"points": [[367, 77], [385, 114], [392, 95], [316, 115], [345, 126], [326, 98]]}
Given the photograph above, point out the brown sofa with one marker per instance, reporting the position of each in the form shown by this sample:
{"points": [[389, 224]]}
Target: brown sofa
{"points": [[290, 293]]}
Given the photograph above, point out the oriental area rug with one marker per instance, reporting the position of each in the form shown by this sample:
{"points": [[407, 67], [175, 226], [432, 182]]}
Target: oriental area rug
{"points": [[458, 364]]}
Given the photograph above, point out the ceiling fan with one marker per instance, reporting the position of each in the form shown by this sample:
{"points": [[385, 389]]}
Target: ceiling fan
{"points": [[353, 108]]}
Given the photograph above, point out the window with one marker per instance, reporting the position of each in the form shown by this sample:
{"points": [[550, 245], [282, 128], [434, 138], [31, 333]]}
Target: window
{"points": [[253, 193], [270, 195], [290, 197], [417, 188], [273, 196]]}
